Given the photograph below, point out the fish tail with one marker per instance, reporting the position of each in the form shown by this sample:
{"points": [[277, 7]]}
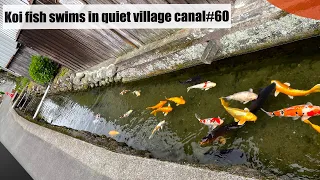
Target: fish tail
{"points": [[154, 112], [188, 89], [268, 113], [315, 88], [196, 115], [151, 136], [223, 102], [315, 127]]}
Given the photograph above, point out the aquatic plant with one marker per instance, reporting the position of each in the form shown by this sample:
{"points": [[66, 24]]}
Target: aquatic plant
{"points": [[42, 69]]}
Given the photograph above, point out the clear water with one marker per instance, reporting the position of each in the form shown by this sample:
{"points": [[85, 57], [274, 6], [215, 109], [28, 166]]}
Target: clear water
{"points": [[277, 146]]}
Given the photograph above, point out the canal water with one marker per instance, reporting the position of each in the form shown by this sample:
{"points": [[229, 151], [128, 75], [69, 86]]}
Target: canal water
{"points": [[274, 146]]}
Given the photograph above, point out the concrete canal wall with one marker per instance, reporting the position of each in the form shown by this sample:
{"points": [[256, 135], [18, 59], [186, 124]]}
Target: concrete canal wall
{"points": [[47, 154]]}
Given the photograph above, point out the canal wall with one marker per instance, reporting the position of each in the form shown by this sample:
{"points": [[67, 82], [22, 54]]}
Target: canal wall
{"points": [[256, 25], [47, 154]]}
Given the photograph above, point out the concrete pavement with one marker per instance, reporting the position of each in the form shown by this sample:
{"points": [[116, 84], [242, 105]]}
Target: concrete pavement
{"points": [[47, 154]]}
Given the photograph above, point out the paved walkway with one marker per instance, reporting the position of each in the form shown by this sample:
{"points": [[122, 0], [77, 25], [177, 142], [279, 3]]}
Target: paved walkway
{"points": [[46, 154]]}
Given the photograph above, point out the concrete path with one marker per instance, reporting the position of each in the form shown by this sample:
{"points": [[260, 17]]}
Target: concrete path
{"points": [[46, 154]]}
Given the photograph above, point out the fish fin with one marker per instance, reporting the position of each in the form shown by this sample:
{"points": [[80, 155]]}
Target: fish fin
{"points": [[169, 105], [303, 118], [276, 93], [165, 114], [206, 89], [196, 115], [286, 83], [315, 88], [221, 121], [250, 90], [269, 114], [213, 127], [177, 104], [241, 122], [295, 118], [181, 97], [309, 104], [236, 120], [245, 102], [291, 97], [246, 109], [166, 97]]}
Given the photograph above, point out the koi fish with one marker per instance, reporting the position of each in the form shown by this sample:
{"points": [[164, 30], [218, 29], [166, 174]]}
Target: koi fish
{"points": [[203, 86], [137, 93], [124, 91], [240, 116], [262, 97], [159, 105], [244, 96], [126, 114], [10, 94], [211, 122], [159, 126], [177, 100], [97, 116], [165, 110], [304, 111], [219, 132], [316, 127], [285, 89], [192, 80], [113, 133]]}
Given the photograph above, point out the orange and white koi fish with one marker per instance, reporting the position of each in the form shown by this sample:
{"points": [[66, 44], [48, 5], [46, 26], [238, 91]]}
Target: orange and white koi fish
{"points": [[124, 91], [159, 126], [240, 116], [113, 133], [159, 105], [211, 122], [177, 100], [244, 96], [305, 111], [126, 114], [137, 93], [203, 86], [285, 89], [165, 110]]}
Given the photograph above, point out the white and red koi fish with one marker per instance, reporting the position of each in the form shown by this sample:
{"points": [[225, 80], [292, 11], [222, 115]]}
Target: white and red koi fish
{"points": [[203, 86], [157, 128], [304, 111], [211, 122], [126, 114]]}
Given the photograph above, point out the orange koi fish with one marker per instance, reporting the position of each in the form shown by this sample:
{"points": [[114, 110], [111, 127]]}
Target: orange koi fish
{"points": [[165, 110], [285, 89], [113, 133], [159, 105], [177, 100]]}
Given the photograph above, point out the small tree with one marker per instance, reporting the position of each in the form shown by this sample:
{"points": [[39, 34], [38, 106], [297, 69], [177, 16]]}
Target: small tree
{"points": [[42, 69]]}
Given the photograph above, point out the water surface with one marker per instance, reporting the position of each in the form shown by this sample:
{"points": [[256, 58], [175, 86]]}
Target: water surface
{"points": [[277, 146]]}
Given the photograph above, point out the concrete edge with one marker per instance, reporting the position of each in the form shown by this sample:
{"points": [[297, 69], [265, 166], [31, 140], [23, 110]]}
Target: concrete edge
{"points": [[106, 163]]}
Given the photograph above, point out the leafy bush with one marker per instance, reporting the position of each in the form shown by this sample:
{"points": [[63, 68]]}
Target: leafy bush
{"points": [[21, 82], [42, 69]]}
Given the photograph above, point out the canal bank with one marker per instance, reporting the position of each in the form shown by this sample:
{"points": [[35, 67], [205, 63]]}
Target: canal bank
{"points": [[46, 154]]}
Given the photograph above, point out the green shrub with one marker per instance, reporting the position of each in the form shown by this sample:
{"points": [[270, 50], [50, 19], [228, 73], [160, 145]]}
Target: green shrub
{"points": [[21, 82], [42, 69]]}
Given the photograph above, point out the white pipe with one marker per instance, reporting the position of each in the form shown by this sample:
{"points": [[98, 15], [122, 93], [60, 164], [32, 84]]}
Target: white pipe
{"points": [[45, 94]]}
